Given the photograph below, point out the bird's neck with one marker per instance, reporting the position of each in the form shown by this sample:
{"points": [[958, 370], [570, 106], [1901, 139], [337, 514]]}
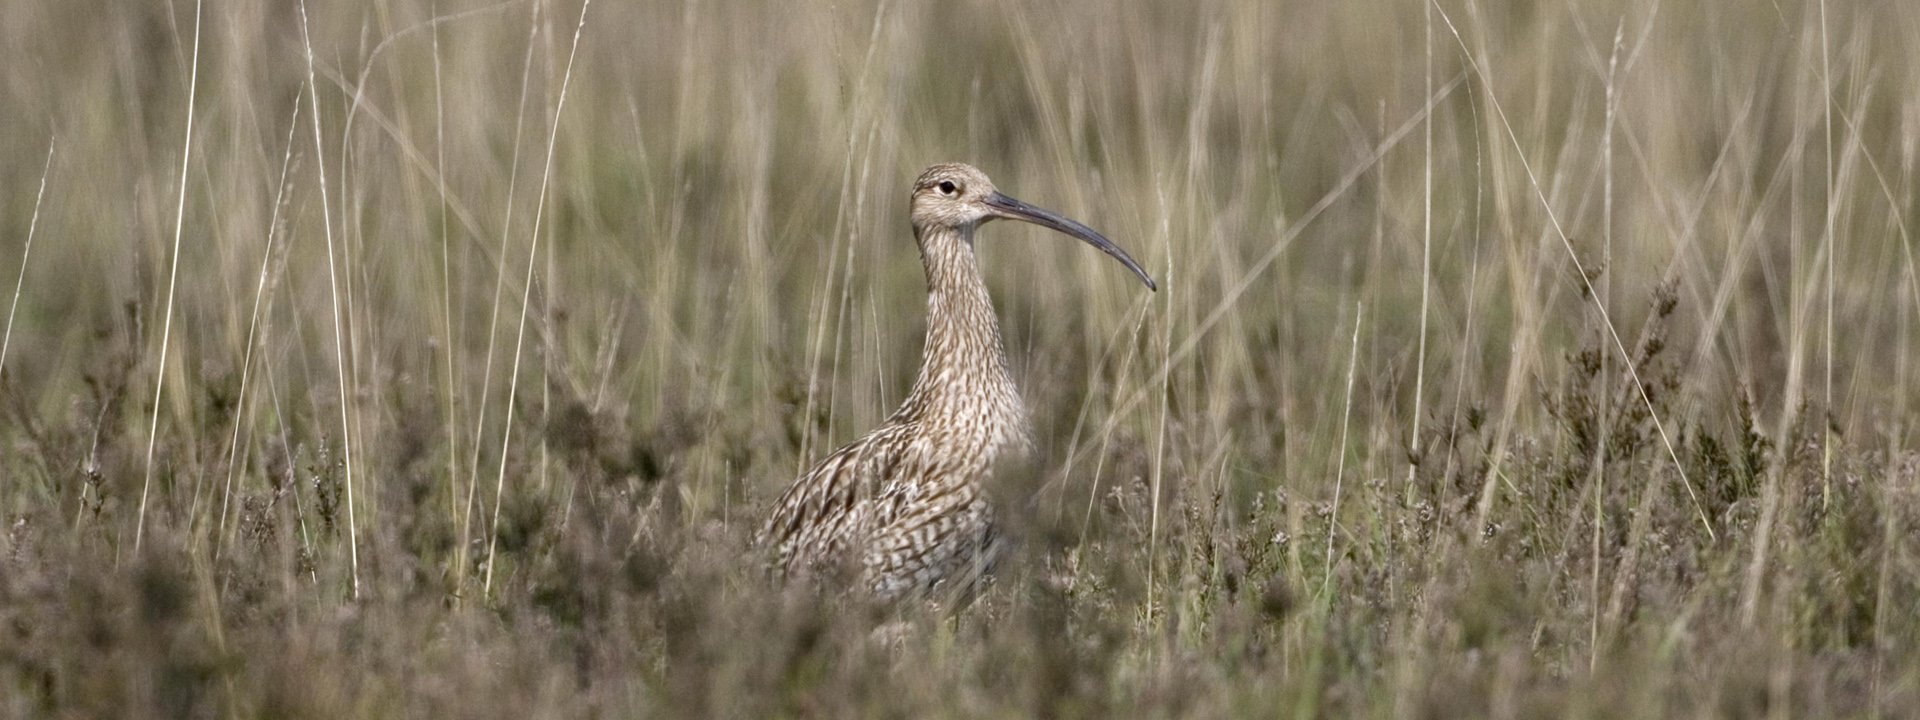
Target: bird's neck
{"points": [[964, 379]]}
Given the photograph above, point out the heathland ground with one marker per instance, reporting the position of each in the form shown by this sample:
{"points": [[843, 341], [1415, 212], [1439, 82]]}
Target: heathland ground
{"points": [[438, 358]]}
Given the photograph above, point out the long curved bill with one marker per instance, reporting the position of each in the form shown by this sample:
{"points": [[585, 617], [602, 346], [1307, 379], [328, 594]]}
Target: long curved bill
{"points": [[1013, 209]]}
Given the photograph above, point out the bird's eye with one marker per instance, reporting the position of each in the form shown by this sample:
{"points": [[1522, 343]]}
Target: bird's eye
{"points": [[946, 187]]}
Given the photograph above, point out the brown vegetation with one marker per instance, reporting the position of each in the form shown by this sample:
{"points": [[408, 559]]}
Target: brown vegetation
{"points": [[1510, 360]]}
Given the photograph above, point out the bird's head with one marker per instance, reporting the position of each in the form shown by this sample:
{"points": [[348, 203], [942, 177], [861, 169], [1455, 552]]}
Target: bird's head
{"points": [[955, 196]]}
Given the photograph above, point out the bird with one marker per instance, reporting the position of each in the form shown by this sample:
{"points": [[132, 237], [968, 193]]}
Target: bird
{"points": [[902, 511]]}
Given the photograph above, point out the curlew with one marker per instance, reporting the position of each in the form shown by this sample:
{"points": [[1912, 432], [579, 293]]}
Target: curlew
{"points": [[904, 508]]}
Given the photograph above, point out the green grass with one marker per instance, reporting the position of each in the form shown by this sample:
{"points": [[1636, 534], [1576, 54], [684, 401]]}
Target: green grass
{"points": [[1511, 359]]}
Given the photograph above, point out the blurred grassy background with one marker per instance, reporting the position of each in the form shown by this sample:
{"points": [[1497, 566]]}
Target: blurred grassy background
{"points": [[471, 398]]}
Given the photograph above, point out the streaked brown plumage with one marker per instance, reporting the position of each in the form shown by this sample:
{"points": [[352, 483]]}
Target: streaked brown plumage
{"points": [[905, 506]]}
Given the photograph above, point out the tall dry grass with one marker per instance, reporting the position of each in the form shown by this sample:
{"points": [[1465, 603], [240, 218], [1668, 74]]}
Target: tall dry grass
{"points": [[1510, 360]]}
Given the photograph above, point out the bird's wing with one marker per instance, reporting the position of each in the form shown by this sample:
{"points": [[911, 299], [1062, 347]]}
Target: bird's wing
{"points": [[929, 535], [812, 520]]}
